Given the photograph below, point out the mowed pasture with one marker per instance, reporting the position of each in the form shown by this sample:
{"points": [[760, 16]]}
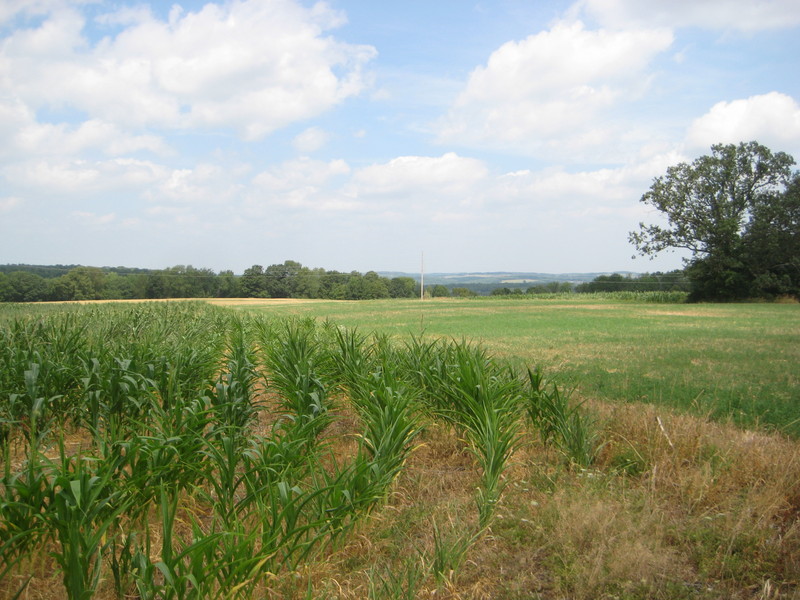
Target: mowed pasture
{"points": [[730, 362], [389, 450]]}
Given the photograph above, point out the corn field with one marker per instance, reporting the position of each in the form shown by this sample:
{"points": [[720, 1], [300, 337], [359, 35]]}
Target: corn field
{"points": [[184, 451]]}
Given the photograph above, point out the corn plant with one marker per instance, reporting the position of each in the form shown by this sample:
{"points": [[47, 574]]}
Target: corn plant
{"points": [[32, 410], [561, 422], [233, 395], [283, 454], [26, 495], [167, 453], [482, 399], [85, 505], [297, 369], [388, 410], [183, 571], [354, 357]]}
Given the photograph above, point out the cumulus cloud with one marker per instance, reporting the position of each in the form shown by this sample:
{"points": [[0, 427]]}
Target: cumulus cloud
{"points": [[742, 15], [253, 66], [299, 184], [310, 140], [772, 119], [548, 92], [204, 183], [421, 179], [63, 177], [42, 139]]}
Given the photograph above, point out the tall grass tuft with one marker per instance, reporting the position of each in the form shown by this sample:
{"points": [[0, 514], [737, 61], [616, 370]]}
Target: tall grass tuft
{"points": [[560, 422]]}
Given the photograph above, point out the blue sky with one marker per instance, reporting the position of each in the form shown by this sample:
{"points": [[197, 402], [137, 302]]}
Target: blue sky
{"points": [[501, 135]]}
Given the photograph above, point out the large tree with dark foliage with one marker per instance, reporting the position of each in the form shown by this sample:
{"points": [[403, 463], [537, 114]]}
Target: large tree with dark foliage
{"points": [[771, 245], [728, 210]]}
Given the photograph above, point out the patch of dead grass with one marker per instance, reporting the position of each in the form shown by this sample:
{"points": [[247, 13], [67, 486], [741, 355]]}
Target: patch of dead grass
{"points": [[676, 507]]}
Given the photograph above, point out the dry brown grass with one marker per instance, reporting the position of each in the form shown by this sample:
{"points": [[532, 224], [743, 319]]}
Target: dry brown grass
{"points": [[711, 512], [676, 507]]}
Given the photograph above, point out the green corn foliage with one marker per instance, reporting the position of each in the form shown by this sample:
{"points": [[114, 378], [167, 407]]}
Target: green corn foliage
{"points": [[388, 410], [169, 393], [297, 368], [85, 506], [233, 395], [353, 358], [482, 399], [184, 571], [26, 494], [561, 422]]}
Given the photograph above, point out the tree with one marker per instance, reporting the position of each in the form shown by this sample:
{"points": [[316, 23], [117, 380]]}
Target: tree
{"points": [[439, 291], [333, 285], [21, 286], [80, 283], [253, 282], [551, 287], [771, 244], [403, 287], [708, 205], [228, 285], [5, 287], [369, 286], [501, 291], [307, 283], [462, 292], [280, 279]]}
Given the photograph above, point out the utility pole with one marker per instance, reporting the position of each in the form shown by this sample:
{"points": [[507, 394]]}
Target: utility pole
{"points": [[422, 275]]}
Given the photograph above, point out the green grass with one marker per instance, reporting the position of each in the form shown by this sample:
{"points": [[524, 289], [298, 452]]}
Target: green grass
{"points": [[727, 361]]}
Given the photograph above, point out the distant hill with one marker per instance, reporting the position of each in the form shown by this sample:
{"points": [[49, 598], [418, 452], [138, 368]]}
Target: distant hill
{"points": [[501, 278]]}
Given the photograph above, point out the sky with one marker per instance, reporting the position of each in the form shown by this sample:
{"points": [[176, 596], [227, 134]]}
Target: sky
{"points": [[489, 135]]}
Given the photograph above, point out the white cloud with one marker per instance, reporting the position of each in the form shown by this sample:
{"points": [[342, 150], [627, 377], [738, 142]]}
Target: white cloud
{"points": [[93, 219], [772, 119], [252, 65], [299, 184], [303, 171], [310, 140], [41, 139], [548, 92], [420, 178], [204, 183], [62, 177], [743, 15], [9, 203], [26, 139]]}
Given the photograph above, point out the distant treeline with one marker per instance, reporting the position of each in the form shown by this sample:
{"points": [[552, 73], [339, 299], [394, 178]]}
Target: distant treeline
{"points": [[34, 283], [674, 281]]}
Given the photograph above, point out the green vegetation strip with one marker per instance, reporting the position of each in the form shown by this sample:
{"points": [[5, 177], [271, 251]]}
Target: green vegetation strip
{"points": [[733, 362], [180, 447]]}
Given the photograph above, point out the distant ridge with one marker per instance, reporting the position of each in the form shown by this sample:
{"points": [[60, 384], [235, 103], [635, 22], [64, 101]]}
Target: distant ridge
{"points": [[504, 277]]}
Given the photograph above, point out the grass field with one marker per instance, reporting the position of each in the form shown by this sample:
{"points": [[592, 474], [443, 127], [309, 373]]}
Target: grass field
{"points": [[170, 450], [727, 361]]}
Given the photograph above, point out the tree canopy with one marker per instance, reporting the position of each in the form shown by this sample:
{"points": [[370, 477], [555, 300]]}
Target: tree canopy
{"points": [[290, 279], [729, 209]]}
